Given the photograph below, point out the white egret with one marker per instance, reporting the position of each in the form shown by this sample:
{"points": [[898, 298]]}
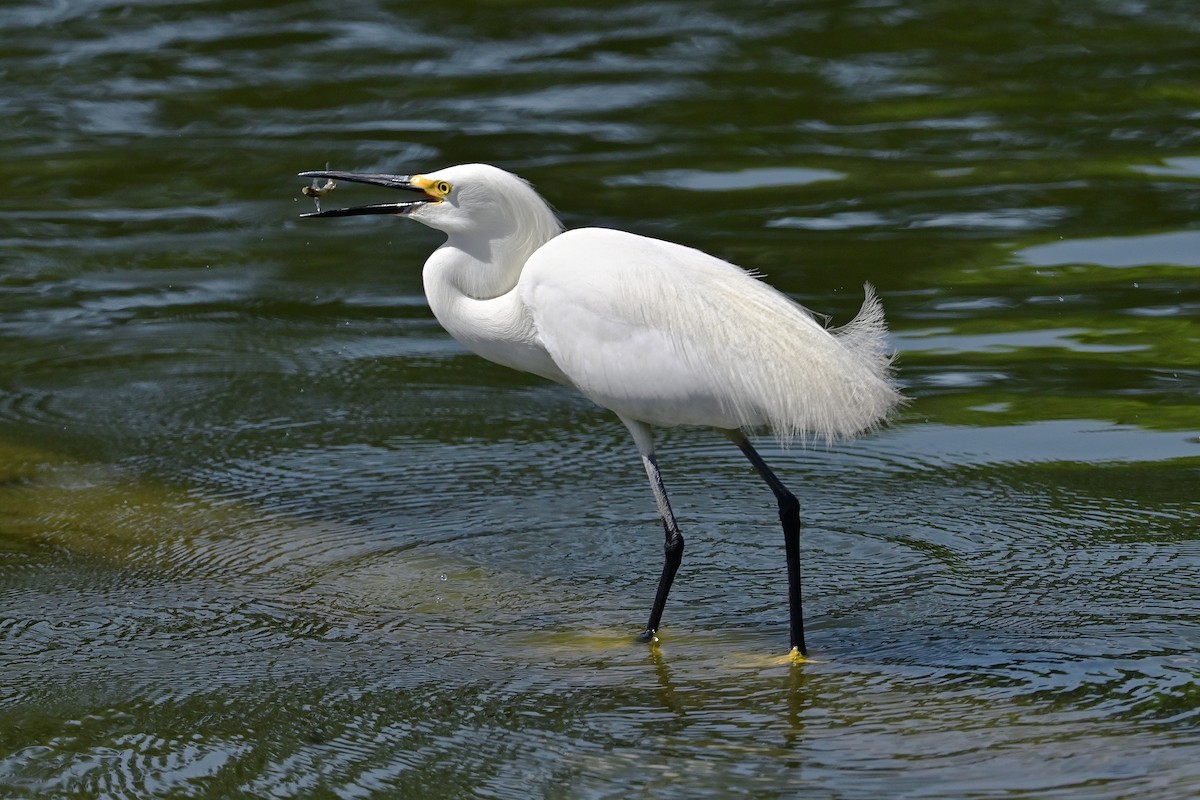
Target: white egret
{"points": [[659, 333]]}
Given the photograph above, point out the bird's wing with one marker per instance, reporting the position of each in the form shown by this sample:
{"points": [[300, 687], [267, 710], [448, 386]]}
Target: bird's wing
{"points": [[670, 335]]}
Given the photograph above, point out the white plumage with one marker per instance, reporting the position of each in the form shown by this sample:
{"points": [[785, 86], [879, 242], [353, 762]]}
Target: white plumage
{"points": [[659, 333], [669, 335]]}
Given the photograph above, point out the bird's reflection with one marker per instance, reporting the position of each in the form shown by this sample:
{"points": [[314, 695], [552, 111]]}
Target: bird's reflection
{"points": [[666, 688]]}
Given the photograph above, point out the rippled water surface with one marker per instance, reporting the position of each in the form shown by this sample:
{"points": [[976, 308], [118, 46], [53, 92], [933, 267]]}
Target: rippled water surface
{"points": [[266, 531]]}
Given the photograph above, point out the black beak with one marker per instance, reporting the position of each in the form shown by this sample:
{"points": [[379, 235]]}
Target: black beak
{"points": [[375, 179]]}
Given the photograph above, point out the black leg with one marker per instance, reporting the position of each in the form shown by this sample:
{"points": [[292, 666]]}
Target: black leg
{"points": [[672, 548], [789, 516]]}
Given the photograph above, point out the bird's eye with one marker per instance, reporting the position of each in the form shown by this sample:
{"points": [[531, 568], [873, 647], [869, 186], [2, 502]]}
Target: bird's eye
{"points": [[443, 188]]}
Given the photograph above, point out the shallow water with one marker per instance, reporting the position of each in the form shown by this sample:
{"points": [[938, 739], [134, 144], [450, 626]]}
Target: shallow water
{"points": [[266, 531]]}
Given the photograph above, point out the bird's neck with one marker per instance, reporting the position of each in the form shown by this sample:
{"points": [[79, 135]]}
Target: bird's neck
{"points": [[472, 289]]}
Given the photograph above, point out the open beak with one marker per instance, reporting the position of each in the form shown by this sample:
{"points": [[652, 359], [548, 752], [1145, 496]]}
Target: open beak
{"points": [[408, 183]]}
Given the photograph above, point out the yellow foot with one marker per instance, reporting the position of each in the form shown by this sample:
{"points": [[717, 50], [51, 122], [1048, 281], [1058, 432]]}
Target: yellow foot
{"points": [[648, 636], [793, 658]]}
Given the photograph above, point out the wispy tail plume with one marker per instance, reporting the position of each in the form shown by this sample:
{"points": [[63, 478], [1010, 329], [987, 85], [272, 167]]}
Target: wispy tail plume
{"points": [[866, 334]]}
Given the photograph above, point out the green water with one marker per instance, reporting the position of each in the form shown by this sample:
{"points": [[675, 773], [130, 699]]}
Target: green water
{"points": [[266, 531]]}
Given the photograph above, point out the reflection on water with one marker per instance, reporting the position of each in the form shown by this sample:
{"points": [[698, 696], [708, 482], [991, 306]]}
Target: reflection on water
{"points": [[698, 180], [1180, 248], [266, 531]]}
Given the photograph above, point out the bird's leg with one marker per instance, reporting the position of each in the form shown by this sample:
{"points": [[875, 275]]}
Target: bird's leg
{"points": [[672, 548], [789, 515]]}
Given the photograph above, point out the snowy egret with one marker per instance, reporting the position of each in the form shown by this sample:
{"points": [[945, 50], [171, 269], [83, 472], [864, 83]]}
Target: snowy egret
{"points": [[659, 333]]}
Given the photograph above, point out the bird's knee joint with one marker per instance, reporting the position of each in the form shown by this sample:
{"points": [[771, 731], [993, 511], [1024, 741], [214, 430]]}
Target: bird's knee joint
{"points": [[789, 506], [673, 548]]}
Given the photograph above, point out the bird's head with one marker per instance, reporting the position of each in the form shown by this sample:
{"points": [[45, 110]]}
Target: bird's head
{"points": [[468, 199]]}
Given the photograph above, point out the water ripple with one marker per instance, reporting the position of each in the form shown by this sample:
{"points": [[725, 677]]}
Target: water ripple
{"points": [[265, 530]]}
